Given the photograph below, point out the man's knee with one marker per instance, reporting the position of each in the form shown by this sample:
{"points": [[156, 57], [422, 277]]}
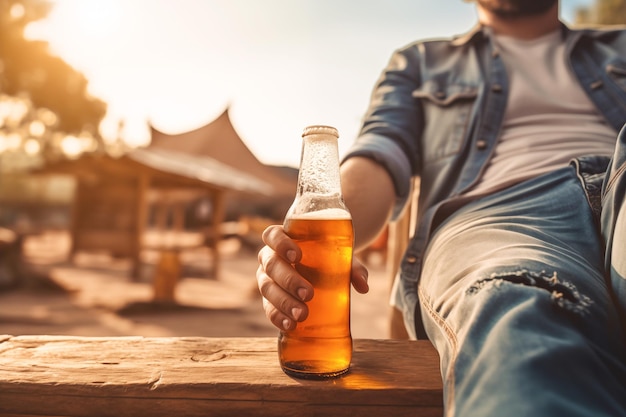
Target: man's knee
{"points": [[563, 294]]}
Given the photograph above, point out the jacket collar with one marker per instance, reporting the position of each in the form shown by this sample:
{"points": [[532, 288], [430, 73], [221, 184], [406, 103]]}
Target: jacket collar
{"points": [[477, 33]]}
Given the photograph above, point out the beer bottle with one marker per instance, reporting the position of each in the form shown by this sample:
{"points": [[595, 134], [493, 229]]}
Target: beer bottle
{"points": [[319, 222]]}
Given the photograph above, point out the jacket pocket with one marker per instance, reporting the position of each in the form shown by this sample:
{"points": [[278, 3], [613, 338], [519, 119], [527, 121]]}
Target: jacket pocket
{"points": [[447, 109]]}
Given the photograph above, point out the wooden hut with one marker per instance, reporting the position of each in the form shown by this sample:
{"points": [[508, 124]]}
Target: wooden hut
{"points": [[220, 141], [113, 196]]}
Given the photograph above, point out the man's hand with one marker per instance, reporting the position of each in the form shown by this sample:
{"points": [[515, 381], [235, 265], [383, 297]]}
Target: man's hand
{"points": [[284, 290]]}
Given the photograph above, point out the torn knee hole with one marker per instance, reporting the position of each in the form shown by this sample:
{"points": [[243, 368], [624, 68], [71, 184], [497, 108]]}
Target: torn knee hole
{"points": [[564, 294]]}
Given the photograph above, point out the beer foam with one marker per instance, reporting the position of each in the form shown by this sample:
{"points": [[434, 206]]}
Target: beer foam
{"points": [[325, 214]]}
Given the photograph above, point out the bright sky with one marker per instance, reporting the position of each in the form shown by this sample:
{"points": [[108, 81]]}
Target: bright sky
{"points": [[279, 65]]}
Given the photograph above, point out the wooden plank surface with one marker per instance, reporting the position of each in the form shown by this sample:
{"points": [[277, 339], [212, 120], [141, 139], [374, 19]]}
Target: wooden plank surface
{"points": [[136, 376]]}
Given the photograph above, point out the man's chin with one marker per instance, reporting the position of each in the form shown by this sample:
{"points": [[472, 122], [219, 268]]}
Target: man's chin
{"points": [[512, 9]]}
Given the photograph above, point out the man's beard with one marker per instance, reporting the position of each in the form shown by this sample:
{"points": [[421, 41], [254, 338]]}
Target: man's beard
{"points": [[517, 8]]}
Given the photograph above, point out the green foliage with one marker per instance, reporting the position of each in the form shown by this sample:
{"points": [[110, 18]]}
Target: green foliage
{"points": [[27, 67]]}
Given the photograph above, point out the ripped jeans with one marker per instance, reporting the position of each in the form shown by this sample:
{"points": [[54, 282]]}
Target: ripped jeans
{"points": [[521, 304]]}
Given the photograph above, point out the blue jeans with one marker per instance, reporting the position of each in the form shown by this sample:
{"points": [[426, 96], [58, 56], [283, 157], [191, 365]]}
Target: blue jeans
{"points": [[522, 292]]}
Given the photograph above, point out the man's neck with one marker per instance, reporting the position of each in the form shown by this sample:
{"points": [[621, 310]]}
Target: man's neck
{"points": [[528, 27]]}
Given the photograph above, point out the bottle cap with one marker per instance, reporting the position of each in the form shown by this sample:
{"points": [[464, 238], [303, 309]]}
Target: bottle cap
{"points": [[320, 130]]}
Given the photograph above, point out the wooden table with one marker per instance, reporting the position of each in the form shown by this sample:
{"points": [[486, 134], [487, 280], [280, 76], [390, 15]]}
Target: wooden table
{"points": [[196, 376]]}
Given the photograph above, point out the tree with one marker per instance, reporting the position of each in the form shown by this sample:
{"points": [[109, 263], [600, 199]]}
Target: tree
{"points": [[43, 104], [28, 69], [603, 12]]}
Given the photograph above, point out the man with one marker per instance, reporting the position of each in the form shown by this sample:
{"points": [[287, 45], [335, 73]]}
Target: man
{"points": [[517, 269]]}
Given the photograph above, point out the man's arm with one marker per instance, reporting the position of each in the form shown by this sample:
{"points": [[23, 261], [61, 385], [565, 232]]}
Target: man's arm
{"points": [[369, 194]]}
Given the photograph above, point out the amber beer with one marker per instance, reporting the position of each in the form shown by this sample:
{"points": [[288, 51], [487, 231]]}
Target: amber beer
{"points": [[321, 346]]}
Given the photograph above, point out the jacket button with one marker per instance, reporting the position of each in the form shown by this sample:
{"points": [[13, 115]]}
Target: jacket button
{"points": [[481, 145], [496, 88], [411, 259]]}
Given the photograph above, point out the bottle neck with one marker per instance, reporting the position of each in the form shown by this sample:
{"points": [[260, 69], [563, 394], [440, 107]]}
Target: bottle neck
{"points": [[319, 166], [319, 185]]}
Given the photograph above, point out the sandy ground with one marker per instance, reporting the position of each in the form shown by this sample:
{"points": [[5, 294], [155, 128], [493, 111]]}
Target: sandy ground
{"points": [[96, 297]]}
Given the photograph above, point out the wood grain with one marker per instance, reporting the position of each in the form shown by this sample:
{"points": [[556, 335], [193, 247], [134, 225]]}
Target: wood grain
{"points": [[136, 376]]}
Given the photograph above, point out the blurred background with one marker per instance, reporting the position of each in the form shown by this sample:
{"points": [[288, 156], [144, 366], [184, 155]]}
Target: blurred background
{"points": [[145, 144]]}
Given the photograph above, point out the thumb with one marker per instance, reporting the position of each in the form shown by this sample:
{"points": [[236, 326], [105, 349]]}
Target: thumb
{"points": [[359, 276]]}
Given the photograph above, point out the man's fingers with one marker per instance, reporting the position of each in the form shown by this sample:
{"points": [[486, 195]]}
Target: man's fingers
{"points": [[281, 307], [274, 236], [284, 275]]}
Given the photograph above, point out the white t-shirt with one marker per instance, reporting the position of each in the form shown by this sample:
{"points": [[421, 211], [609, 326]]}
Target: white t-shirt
{"points": [[548, 120]]}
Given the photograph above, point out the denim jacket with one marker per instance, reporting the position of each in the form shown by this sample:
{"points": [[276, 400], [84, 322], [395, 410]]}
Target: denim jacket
{"points": [[436, 111]]}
